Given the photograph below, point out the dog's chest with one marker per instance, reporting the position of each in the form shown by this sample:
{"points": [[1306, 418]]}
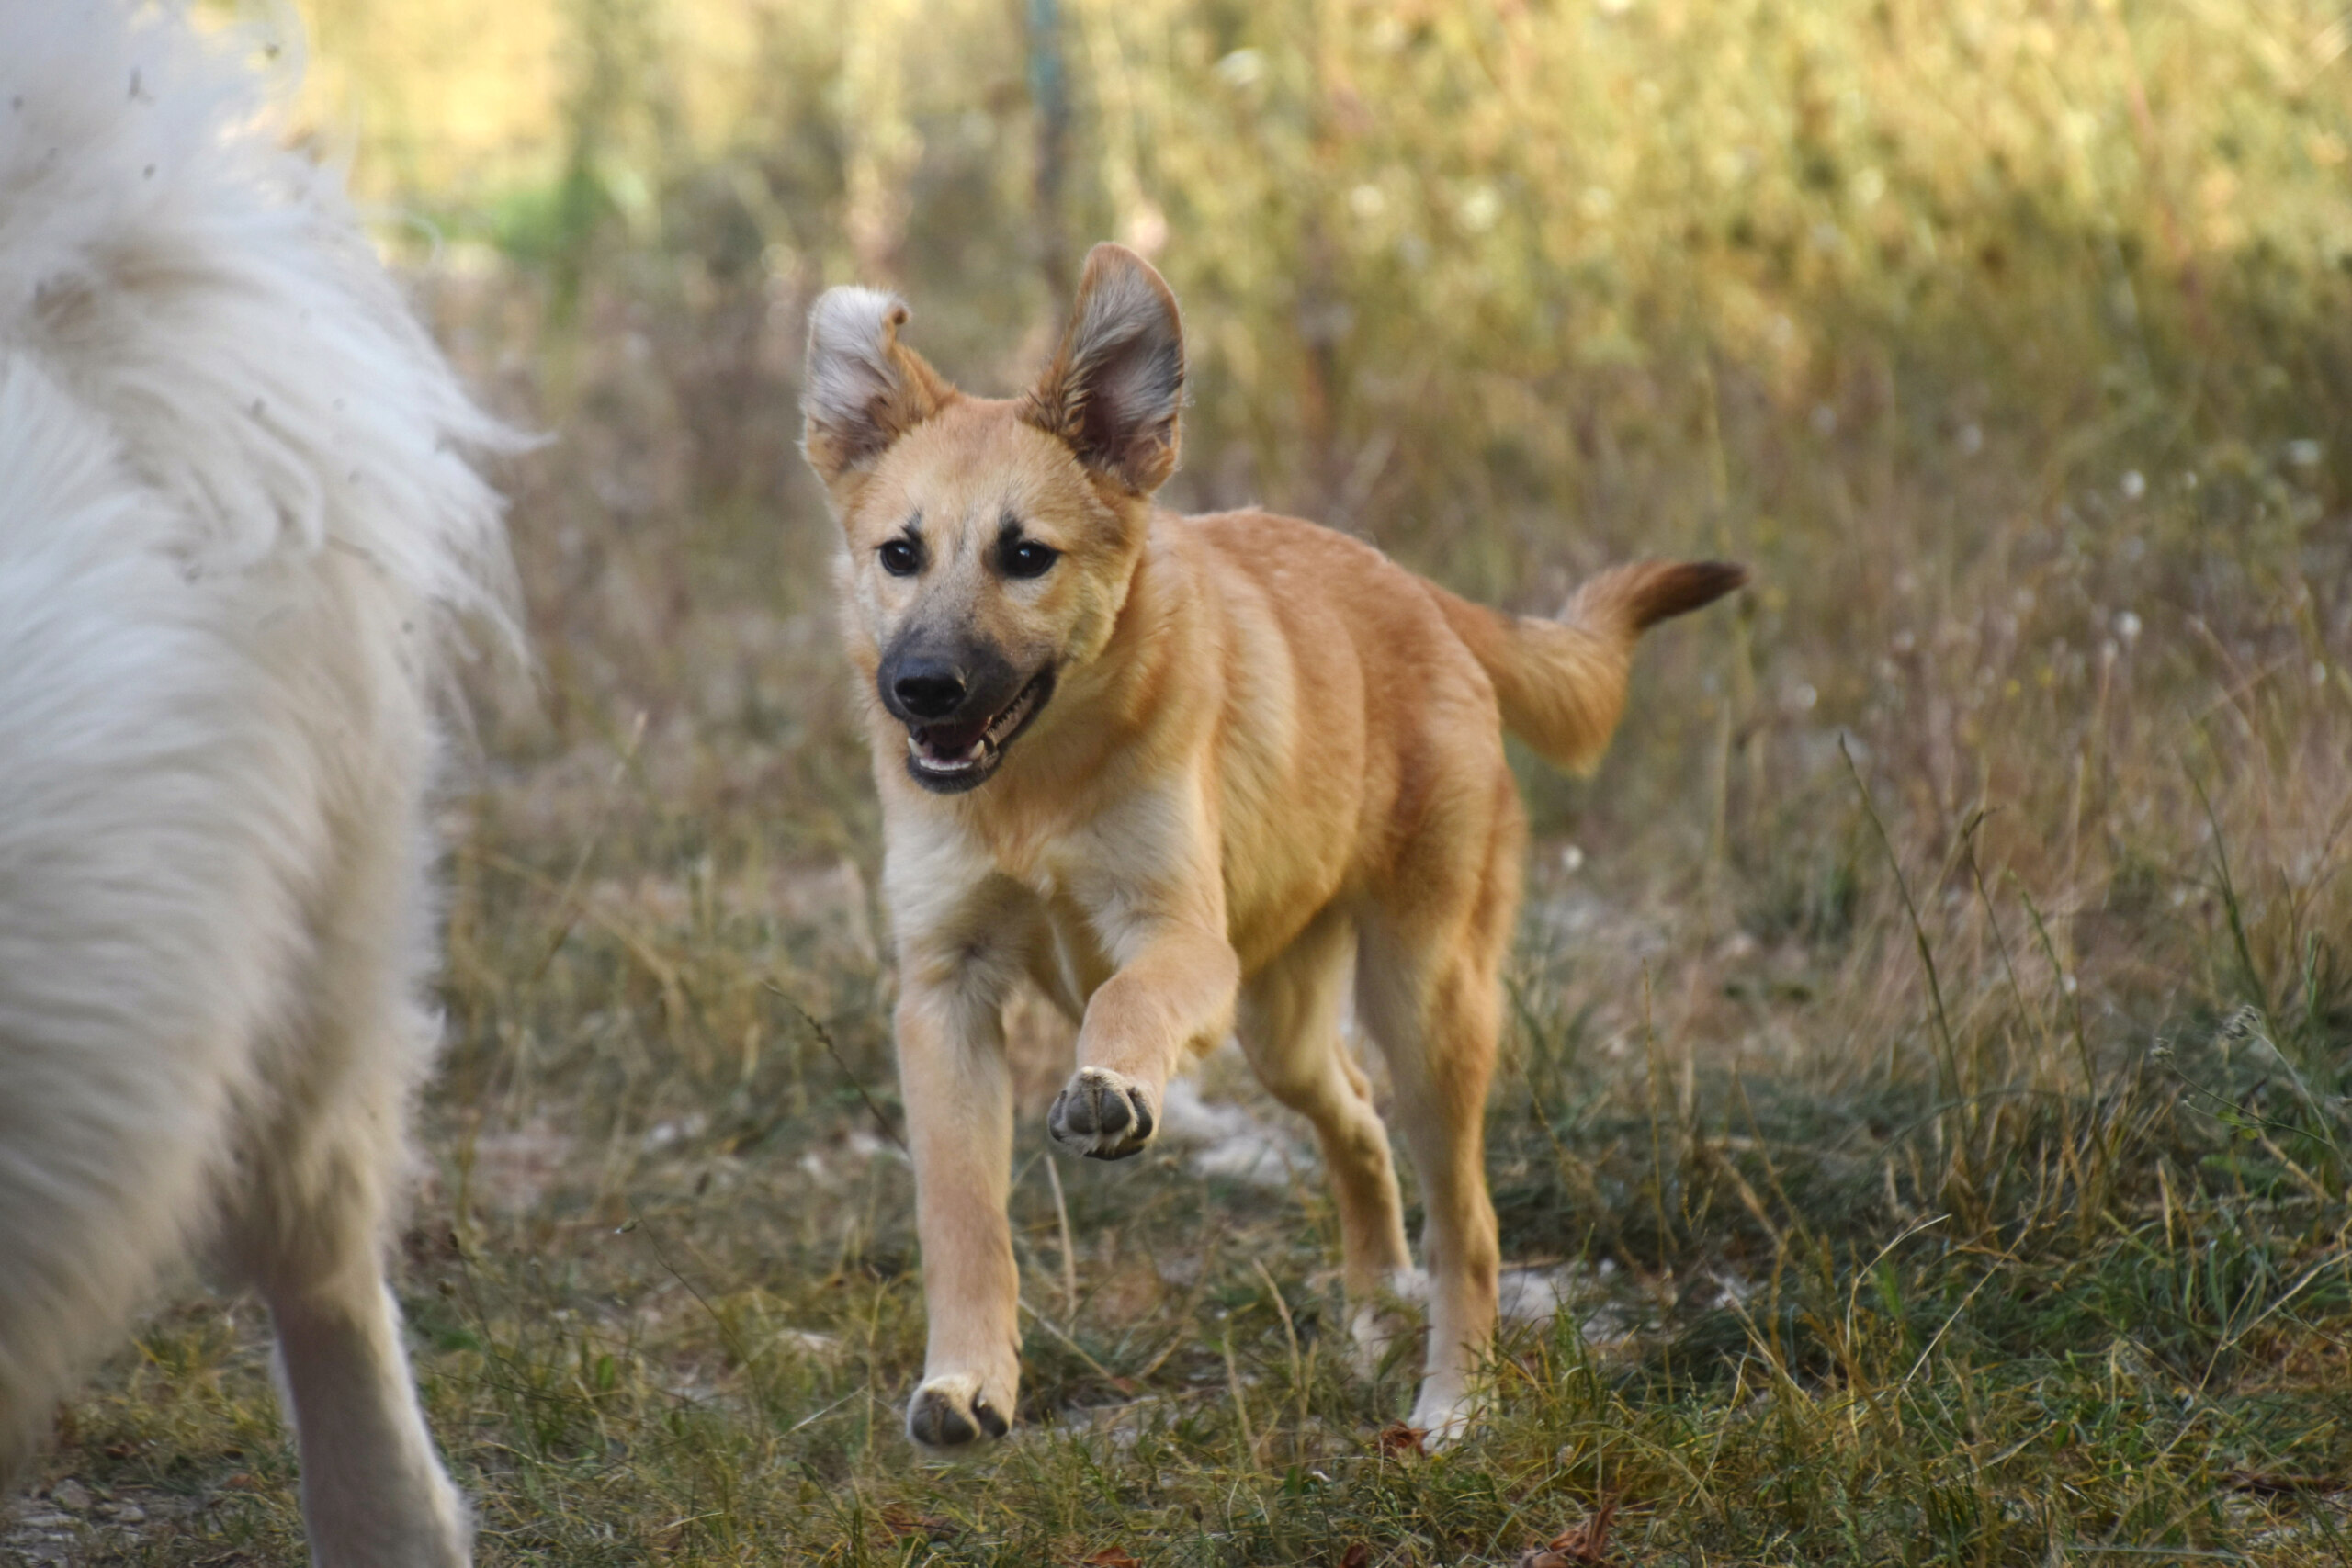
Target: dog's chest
{"points": [[1079, 958], [1070, 916], [1101, 888]]}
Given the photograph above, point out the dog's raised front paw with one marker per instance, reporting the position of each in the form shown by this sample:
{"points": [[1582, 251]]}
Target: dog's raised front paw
{"points": [[952, 1413], [1103, 1115]]}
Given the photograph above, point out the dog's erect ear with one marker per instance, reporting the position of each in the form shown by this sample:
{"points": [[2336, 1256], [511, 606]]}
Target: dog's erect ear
{"points": [[862, 389], [1113, 389]]}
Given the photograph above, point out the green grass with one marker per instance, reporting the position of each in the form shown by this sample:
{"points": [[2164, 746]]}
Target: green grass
{"points": [[1801, 1349], [2022, 1289]]}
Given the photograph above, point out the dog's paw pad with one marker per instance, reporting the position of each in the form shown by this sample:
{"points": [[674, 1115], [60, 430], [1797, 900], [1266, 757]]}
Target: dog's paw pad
{"points": [[952, 1413], [1103, 1115]]}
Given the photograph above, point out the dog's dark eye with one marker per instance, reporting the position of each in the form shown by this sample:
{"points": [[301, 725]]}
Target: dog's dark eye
{"points": [[1027, 558], [901, 557]]}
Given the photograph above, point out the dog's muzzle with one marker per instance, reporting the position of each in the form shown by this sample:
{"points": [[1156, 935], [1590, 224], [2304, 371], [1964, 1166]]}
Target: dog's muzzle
{"points": [[960, 715]]}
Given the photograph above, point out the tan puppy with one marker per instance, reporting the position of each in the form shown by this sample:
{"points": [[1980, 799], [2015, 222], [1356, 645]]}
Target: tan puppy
{"points": [[1186, 775]]}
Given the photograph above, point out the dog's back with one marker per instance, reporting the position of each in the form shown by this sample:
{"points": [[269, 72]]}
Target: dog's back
{"points": [[1360, 697], [236, 533]]}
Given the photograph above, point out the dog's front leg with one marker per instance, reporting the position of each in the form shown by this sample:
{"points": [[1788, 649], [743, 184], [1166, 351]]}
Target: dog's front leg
{"points": [[958, 1092], [1175, 989]]}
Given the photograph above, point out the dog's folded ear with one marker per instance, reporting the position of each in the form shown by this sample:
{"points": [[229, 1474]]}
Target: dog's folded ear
{"points": [[1113, 389], [862, 389]]}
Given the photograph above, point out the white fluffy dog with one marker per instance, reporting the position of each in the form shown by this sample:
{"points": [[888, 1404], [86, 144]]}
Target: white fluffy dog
{"points": [[237, 541]]}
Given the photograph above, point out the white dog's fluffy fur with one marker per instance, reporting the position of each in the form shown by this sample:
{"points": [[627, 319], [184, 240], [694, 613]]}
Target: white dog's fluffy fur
{"points": [[237, 539]]}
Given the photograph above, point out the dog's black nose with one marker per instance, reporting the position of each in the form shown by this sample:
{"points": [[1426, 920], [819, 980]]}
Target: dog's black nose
{"points": [[927, 690]]}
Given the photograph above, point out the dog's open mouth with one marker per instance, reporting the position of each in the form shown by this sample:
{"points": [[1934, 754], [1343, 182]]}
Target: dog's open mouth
{"points": [[949, 758]]}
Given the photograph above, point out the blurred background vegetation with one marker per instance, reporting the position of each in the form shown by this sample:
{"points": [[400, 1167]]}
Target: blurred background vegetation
{"points": [[2012, 342], [1926, 1096], [1894, 299]]}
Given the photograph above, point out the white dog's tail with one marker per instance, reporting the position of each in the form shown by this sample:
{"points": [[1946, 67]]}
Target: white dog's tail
{"points": [[207, 292]]}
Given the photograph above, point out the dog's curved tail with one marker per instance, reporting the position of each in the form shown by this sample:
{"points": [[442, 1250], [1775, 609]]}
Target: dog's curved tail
{"points": [[1561, 685], [207, 294]]}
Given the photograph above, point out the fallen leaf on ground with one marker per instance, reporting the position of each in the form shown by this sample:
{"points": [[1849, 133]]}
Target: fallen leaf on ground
{"points": [[1357, 1555], [1397, 1438], [900, 1520], [1112, 1557], [1584, 1545]]}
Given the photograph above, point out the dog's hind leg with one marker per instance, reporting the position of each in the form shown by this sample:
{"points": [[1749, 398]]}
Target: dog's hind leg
{"points": [[1289, 1026], [1436, 1021], [310, 1228], [373, 1492], [140, 938], [312, 1241], [1428, 985], [105, 1156]]}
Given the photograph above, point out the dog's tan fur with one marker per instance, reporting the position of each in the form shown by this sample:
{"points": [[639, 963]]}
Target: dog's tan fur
{"points": [[1271, 759]]}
